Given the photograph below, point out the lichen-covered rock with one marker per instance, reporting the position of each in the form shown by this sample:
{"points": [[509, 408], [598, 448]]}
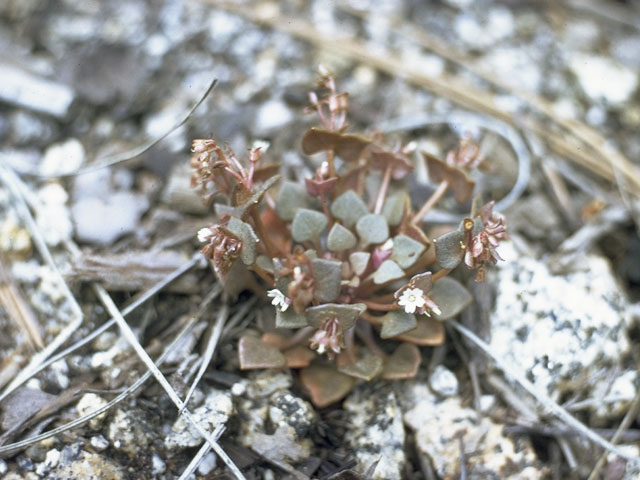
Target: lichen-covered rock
{"points": [[376, 431], [216, 409], [445, 429], [89, 466], [269, 405], [566, 332], [129, 432]]}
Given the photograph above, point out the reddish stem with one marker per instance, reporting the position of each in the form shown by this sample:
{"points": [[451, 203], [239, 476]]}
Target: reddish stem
{"points": [[382, 193], [381, 307]]}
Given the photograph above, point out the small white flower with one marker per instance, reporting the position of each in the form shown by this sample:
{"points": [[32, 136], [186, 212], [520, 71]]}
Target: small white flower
{"points": [[412, 299], [204, 234], [279, 300]]}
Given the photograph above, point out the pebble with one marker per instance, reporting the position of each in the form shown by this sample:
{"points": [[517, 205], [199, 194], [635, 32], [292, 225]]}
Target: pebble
{"points": [[99, 442], [90, 402], [604, 80], [443, 381], [64, 157], [129, 431], [207, 464], [158, 465], [90, 466], [271, 115], [443, 426], [376, 431], [3, 467], [215, 410]]}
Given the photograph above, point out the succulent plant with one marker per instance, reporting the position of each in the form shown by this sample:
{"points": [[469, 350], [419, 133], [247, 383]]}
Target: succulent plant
{"points": [[342, 256]]}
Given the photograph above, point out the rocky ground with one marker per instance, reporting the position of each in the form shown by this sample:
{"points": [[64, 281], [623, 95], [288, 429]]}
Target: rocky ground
{"points": [[551, 90]]}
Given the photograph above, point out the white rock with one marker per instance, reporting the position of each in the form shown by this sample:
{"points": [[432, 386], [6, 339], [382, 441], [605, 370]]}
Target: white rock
{"points": [[603, 79], [207, 464], [563, 332], [64, 157], [215, 410], [158, 465], [90, 402], [515, 65], [129, 431], [52, 458], [3, 467], [443, 381], [439, 426], [376, 432], [272, 115], [99, 442]]}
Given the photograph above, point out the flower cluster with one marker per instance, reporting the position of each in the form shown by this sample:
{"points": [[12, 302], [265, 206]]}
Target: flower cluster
{"points": [[343, 255]]}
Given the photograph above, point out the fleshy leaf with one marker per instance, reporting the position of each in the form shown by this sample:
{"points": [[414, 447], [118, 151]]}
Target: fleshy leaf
{"points": [[298, 356], [406, 251], [388, 271], [325, 385], [459, 182], [450, 296], [359, 262], [244, 232], [372, 229], [327, 275], [340, 239], [428, 333], [307, 225], [265, 263], [346, 313], [397, 322], [291, 197], [450, 249], [254, 353], [394, 206], [241, 211], [366, 368], [347, 146], [290, 319], [348, 208], [403, 363]]}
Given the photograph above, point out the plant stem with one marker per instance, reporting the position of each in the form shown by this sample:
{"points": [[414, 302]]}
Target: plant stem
{"points": [[382, 193], [439, 274], [363, 330], [330, 162], [381, 307], [262, 234], [299, 337], [431, 201]]}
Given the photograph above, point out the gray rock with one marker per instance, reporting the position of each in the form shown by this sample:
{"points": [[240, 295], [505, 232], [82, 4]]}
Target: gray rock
{"points": [[89, 465], [179, 195], [566, 333], [376, 431], [215, 410], [443, 381], [23, 88], [272, 115], [100, 213], [129, 432], [444, 428]]}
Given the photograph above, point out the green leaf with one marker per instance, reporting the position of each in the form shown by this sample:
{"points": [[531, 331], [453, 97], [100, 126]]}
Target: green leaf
{"points": [[450, 296], [388, 271], [325, 385], [245, 232], [254, 353], [291, 197], [308, 225], [348, 208], [394, 206], [403, 363], [372, 229], [406, 251], [340, 239], [347, 314], [397, 322], [366, 368], [327, 275], [290, 319], [359, 262], [450, 249]]}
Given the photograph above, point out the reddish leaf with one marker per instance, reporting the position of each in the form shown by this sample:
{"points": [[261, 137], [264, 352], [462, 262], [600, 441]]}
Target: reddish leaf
{"points": [[325, 385], [347, 146], [403, 363], [461, 185], [428, 333]]}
